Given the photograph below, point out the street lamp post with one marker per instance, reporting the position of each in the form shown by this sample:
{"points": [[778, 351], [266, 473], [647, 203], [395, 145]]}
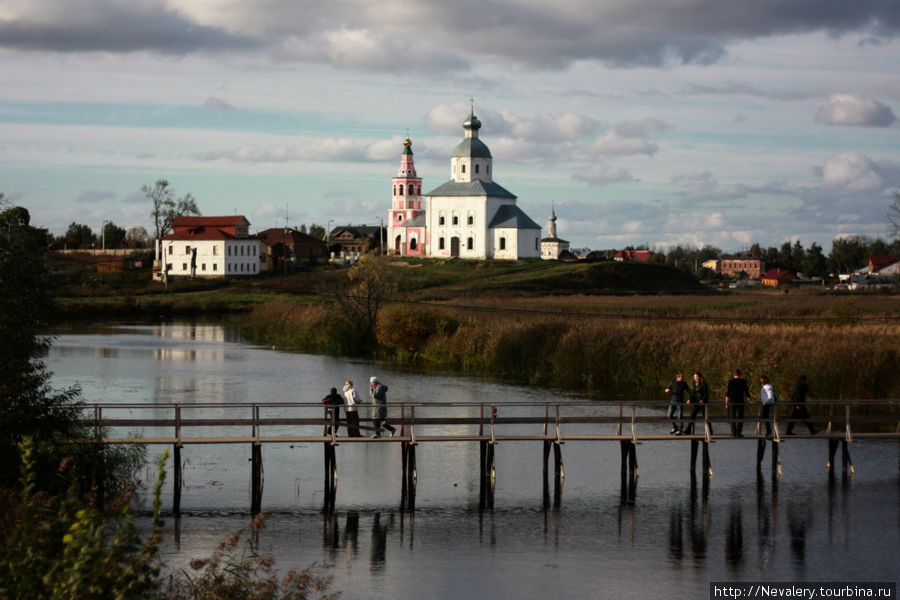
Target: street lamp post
{"points": [[103, 236], [328, 238]]}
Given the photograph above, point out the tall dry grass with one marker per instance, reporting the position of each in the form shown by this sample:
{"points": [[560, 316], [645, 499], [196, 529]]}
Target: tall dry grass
{"points": [[610, 356]]}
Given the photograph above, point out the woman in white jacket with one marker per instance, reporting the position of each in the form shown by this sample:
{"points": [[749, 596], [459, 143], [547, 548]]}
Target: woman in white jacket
{"points": [[351, 399]]}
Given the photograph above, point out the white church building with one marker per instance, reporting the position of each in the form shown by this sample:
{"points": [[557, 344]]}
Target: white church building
{"points": [[469, 216]]}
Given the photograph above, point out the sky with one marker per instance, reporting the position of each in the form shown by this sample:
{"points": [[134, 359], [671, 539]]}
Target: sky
{"points": [[658, 122]]}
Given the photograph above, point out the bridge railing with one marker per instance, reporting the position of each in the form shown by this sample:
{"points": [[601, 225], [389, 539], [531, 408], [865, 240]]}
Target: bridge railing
{"points": [[258, 422]]}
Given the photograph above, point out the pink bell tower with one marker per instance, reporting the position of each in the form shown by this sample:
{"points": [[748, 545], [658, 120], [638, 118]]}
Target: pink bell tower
{"points": [[406, 218]]}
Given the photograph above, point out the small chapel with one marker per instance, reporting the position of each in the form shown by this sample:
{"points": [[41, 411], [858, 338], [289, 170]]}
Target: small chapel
{"points": [[469, 216]]}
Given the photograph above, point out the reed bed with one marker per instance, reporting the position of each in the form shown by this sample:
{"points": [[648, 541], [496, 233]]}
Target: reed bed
{"points": [[846, 358]]}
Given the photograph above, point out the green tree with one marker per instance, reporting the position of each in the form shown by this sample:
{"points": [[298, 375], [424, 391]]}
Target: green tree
{"points": [[848, 254], [798, 256], [166, 207], [15, 228], [113, 236], [317, 231], [814, 261], [79, 236]]}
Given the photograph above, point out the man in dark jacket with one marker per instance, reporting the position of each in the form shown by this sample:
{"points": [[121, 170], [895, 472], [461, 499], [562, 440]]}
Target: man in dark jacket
{"points": [[677, 388], [378, 393], [734, 401], [798, 401]]}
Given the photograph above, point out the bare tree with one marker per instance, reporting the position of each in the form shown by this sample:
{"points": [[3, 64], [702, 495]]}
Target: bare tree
{"points": [[893, 216], [371, 281], [166, 207]]}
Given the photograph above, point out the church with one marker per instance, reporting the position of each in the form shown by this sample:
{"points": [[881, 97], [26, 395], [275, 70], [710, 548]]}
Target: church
{"points": [[469, 216]]}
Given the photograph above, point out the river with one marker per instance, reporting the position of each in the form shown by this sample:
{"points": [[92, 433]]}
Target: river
{"points": [[672, 537]]}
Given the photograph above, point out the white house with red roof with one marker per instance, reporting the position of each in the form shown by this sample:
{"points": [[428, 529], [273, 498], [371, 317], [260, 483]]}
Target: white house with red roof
{"points": [[209, 247]]}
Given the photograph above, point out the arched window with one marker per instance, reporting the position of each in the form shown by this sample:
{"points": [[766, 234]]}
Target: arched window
{"points": [[441, 244], [463, 167], [471, 220], [401, 189], [470, 244], [476, 168], [441, 220], [413, 244], [455, 219], [503, 243]]}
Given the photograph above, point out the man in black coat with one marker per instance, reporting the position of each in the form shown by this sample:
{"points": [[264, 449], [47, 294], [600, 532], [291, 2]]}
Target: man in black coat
{"points": [[734, 401]]}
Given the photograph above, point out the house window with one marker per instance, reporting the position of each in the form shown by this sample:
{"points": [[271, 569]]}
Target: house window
{"points": [[169, 265], [215, 266], [203, 267], [503, 243], [536, 247], [441, 244], [184, 266], [470, 244], [170, 249], [187, 249], [228, 250], [463, 167], [215, 250]]}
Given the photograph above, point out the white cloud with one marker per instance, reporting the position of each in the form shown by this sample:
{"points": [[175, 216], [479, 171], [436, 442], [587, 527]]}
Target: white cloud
{"points": [[851, 172], [600, 174], [854, 110]]}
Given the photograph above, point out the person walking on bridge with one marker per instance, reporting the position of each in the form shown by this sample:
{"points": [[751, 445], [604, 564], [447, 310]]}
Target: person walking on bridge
{"points": [[800, 412], [734, 401], [699, 399], [351, 400], [378, 393], [332, 402], [677, 388]]}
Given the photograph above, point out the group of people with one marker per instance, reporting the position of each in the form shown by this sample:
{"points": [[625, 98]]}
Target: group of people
{"points": [[350, 401], [735, 395]]}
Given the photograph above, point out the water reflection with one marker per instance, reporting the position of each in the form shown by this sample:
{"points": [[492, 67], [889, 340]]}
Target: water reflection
{"points": [[734, 537]]}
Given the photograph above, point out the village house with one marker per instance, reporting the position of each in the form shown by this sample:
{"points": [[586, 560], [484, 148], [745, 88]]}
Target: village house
{"points": [[352, 241], [742, 265], [286, 244], [777, 276], [208, 247], [632, 255]]}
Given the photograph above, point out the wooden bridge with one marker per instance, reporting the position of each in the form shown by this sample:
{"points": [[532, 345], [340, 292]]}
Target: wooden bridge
{"points": [[553, 424]]}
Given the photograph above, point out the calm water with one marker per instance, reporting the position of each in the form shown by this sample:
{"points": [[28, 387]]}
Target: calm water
{"points": [[670, 537]]}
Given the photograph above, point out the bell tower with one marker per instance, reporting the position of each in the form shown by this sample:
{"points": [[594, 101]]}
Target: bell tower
{"points": [[406, 205]]}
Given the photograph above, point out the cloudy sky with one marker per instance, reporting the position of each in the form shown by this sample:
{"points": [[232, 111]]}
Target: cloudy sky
{"points": [[661, 122]]}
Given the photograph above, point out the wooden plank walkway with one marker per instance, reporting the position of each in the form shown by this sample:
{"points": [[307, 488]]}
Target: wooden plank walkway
{"points": [[552, 424]]}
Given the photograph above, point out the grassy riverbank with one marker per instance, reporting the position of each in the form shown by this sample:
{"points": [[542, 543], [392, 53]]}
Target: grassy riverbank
{"points": [[585, 326]]}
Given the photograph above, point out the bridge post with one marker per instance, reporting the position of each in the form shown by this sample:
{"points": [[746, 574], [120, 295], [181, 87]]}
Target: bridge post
{"points": [[558, 472], [177, 479], [330, 477], [256, 477]]}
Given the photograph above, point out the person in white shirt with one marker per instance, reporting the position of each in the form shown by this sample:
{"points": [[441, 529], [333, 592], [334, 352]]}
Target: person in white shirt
{"points": [[351, 399], [767, 399]]}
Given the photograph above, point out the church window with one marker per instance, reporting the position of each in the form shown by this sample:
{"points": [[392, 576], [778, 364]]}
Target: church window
{"points": [[476, 168], [401, 189], [441, 244], [463, 167], [471, 220], [399, 218], [470, 244], [215, 267], [413, 244], [488, 167], [395, 190], [170, 249], [455, 220], [441, 220], [503, 243]]}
